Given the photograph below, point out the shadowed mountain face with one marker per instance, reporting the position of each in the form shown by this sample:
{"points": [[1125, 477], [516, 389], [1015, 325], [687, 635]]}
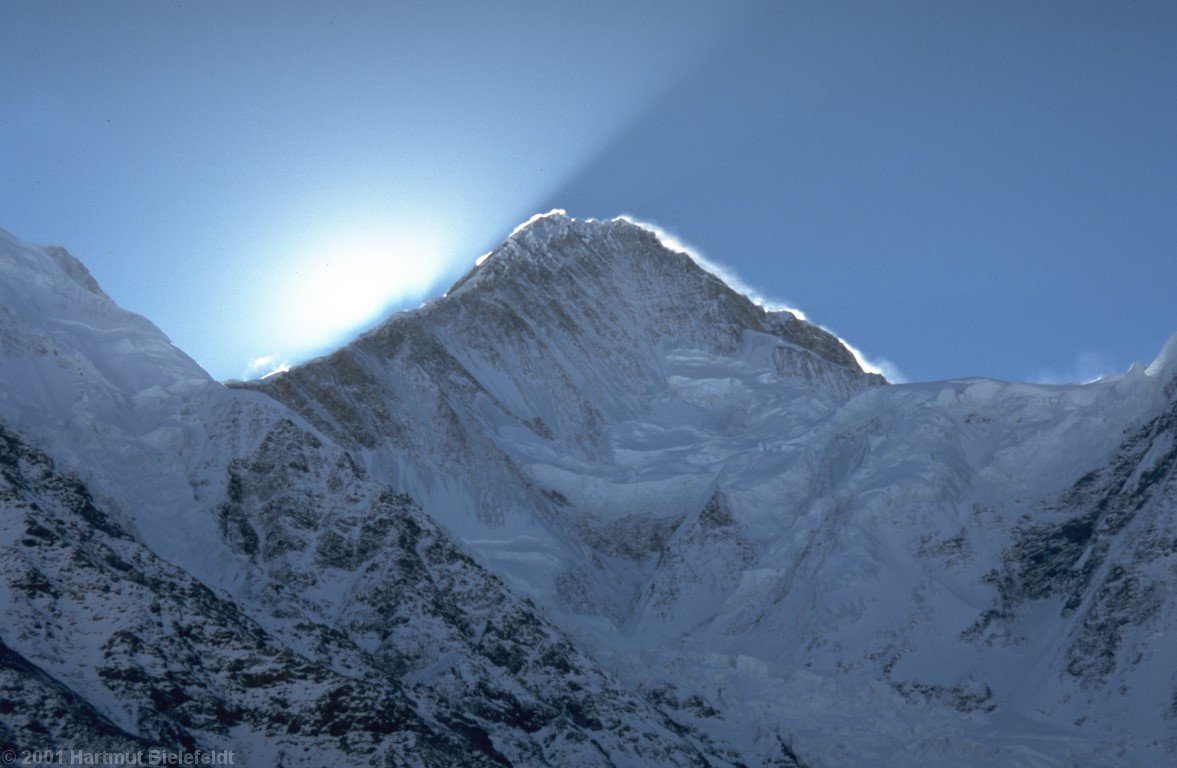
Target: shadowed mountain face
{"points": [[688, 481], [560, 331], [191, 567], [591, 507], [567, 334]]}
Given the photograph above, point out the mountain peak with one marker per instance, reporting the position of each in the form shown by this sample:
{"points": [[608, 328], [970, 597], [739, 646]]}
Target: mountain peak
{"points": [[44, 264], [556, 223], [1165, 364], [68, 351], [640, 273], [555, 220], [540, 237]]}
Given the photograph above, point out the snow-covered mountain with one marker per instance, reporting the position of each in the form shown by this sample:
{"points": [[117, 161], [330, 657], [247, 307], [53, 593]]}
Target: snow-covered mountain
{"points": [[591, 507], [189, 566]]}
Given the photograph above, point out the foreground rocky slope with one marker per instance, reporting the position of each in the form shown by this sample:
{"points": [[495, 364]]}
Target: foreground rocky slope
{"points": [[166, 658]]}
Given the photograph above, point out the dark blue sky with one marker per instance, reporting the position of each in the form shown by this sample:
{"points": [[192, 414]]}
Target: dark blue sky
{"points": [[958, 188]]}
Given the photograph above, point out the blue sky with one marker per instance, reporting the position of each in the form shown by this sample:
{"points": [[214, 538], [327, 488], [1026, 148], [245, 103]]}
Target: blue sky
{"points": [[958, 188]]}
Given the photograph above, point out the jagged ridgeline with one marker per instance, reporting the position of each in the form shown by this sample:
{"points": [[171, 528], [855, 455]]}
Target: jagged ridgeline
{"points": [[592, 507]]}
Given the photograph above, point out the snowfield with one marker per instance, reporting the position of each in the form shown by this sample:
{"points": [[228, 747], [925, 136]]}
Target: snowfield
{"points": [[591, 507]]}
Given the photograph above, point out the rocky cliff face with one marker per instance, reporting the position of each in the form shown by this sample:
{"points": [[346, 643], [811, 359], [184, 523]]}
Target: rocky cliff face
{"points": [[592, 507], [161, 656], [1101, 559]]}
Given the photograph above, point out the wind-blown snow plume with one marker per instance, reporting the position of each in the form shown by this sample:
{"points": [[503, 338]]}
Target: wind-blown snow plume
{"points": [[882, 366]]}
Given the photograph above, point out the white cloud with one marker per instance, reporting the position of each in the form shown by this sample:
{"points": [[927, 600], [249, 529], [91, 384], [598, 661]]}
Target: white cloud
{"points": [[264, 366]]}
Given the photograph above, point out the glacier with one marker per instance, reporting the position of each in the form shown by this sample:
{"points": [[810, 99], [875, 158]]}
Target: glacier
{"points": [[593, 506]]}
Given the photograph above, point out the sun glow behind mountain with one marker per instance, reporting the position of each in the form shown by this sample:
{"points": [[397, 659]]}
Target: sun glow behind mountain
{"points": [[331, 281], [430, 129], [351, 283]]}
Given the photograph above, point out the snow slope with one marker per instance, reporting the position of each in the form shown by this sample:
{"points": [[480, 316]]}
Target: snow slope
{"points": [[190, 566], [591, 507], [100, 387], [718, 502]]}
